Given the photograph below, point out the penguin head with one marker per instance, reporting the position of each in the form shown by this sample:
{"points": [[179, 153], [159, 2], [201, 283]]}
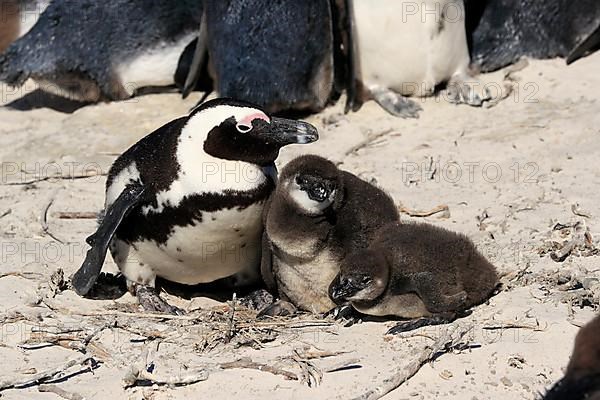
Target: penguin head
{"points": [[234, 130], [363, 276], [313, 185]]}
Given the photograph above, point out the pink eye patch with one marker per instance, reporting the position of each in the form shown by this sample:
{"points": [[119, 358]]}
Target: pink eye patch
{"points": [[247, 121]]}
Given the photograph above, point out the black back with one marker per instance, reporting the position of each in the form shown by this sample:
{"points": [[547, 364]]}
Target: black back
{"points": [[502, 31], [270, 52], [450, 257], [364, 209]]}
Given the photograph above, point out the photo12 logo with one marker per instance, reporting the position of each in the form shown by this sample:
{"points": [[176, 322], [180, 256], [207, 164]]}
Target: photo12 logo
{"points": [[471, 171]]}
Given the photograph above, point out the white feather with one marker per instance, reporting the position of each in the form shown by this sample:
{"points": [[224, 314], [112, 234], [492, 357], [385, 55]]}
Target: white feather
{"points": [[399, 48], [202, 173]]}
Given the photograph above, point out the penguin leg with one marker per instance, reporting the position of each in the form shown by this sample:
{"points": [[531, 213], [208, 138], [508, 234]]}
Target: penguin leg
{"points": [[465, 89], [411, 325], [257, 300], [151, 301], [394, 103], [346, 314]]}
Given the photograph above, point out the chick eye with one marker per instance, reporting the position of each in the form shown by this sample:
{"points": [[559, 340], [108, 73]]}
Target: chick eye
{"points": [[243, 128], [365, 280], [301, 180]]}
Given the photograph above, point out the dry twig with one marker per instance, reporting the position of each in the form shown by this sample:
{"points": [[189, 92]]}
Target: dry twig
{"points": [[50, 374], [56, 177], [443, 345], [367, 142], [44, 219], [138, 374], [75, 215], [422, 214], [60, 392], [249, 364]]}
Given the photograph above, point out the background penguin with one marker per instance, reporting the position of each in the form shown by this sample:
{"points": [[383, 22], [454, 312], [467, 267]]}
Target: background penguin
{"points": [[415, 271], [17, 17], [404, 48], [97, 50], [185, 202], [316, 216], [283, 55], [582, 379], [502, 31]]}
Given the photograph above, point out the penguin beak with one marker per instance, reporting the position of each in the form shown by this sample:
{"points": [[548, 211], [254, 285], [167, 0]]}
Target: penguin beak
{"points": [[287, 131]]}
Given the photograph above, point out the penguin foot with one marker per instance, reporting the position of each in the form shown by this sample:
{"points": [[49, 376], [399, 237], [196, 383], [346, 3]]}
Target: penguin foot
{"points": [[396, 104], [407, 326], [151, 302], [463, 89], [346, 315], [257, 300], [280, 308]]}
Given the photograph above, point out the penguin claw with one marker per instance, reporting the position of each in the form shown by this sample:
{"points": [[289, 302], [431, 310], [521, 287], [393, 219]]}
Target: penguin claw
{"points": [[343, 314], [466, 90], [257, 300], [280, 308], [411, 325], [151, 302], [396, 104]]}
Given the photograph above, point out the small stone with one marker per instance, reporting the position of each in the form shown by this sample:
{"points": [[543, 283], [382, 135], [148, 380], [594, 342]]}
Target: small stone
{"points": [[445, 374], [506, 382]]}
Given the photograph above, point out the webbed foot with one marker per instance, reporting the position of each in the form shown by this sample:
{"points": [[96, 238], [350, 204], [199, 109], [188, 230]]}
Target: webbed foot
{"points": [[280, 308], [463, 89], [395, 103], [151, 302], [346, 315]]}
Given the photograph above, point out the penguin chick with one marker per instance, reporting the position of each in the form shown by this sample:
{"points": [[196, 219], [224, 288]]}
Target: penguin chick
{"points": [[316, 216], [185, 202], [582, 379], [415, 271]]}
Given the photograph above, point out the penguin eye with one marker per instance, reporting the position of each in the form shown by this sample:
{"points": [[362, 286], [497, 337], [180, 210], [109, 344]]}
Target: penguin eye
{"points": [[365, 280], [243, 128]]}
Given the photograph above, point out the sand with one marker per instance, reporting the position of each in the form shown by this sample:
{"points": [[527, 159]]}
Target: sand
{"points": [[508, 174]]}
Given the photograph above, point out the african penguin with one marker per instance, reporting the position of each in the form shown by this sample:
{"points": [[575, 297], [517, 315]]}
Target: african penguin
{"points": [[185, 202], [502, 31], [316, 216], [17, 17], [284, 55], [582, 379], [92, 50], [416, 271], [406, 48]]}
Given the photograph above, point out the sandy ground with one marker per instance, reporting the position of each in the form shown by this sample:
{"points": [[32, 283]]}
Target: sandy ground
{"points": [[508, 174]]}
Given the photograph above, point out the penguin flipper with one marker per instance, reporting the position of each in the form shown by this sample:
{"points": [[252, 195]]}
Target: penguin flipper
{"points": [[83, 280], [198, 61], [266, 265], [347, 71], [589, 44]]}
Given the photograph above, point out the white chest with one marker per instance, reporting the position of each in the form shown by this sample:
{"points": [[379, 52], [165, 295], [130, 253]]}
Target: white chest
{"points": [[306, 283], [154, 67], [224, 243], [408, 46]]}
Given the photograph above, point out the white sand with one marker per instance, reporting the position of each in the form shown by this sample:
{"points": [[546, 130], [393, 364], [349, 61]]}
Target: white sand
{"points": [[523, 163]]}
